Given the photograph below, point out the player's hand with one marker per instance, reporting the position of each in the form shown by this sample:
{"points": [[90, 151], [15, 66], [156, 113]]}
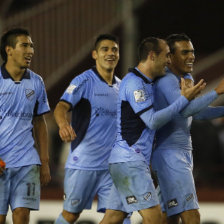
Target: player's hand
{"points": [[45, 176], [220, 88], [2, 166], [191, 92], [67, 133], [189, 83]]}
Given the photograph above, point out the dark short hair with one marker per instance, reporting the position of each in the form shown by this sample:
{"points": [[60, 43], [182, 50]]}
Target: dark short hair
{"points": [[9, 39], [173, 38], [147, 45], [102, 37]]}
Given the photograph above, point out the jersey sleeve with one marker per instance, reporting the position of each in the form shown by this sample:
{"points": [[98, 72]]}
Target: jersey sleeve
{"points": [[139, 98], [76, 90], [42, 105], [170, 88], [156, 119], [210, 113]]}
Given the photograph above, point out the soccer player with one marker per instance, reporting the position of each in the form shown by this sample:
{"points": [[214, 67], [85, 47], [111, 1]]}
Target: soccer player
{"points": [[133, 189], [172, 158], [23, 103], [92, 98]]}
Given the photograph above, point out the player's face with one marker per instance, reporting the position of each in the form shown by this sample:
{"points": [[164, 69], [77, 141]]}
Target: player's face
{"points": [[183, 58], [21, 55], [107, 55], [162, 60]]}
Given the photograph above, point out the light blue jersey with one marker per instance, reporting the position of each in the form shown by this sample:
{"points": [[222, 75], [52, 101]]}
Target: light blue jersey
{"points": [[93, 107], [176, 133], [137, 120], [172, 158], [20, 101]]}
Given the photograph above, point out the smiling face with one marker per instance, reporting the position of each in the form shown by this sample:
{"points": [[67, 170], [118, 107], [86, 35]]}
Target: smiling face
{"points": [[20, 56], [182, 59], [106, 55]]}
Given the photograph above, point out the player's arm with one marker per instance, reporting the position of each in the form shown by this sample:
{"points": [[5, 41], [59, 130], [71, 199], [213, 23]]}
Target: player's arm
{"points": [[210, 113], [66, 131], [157, 119], [41, 137], [202, 102], [141, 102], [170, 89]]}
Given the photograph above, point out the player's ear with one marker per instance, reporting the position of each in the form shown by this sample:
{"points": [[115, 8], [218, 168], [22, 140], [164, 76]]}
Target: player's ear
{"points": [[151, 55], [94, 54], [8, 50]]}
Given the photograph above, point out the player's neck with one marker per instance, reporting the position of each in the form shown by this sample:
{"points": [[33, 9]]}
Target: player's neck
{"points": [[175, 71], [15, 72], [107, 75], [143, 68]]}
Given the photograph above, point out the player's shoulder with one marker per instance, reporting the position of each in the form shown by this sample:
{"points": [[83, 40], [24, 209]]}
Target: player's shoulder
{"points": [[130, 78], [83, 77], [169, 77], [34, 76]]}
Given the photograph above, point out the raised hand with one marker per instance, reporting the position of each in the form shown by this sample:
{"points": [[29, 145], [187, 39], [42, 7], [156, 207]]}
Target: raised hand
{"points": [[191, 92]]}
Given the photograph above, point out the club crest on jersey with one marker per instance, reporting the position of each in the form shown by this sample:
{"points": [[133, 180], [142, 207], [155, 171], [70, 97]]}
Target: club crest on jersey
{"points": [[139, 95], [70, 89], [29, 94]]}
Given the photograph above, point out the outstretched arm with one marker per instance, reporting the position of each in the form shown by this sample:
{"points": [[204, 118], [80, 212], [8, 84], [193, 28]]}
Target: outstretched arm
{"points": [[201, 103], [169, 87], [155, 120], [210, 113]]}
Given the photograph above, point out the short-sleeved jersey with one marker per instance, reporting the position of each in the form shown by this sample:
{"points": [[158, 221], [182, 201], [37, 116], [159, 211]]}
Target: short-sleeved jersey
{"points": [[93, 105], [134, 139], [20, 101]]}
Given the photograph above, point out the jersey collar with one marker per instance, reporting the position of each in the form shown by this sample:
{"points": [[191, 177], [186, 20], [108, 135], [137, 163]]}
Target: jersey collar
{"points": [[139, 74], [100, 77], [6, 75]]}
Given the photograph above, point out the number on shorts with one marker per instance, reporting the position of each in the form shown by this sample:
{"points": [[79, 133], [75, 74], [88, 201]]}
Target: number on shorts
{"points": [[30, 189]]}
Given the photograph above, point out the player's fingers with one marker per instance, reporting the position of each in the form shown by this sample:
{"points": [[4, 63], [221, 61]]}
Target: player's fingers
{"points": [[182, 83], [65, 134], [201, 82]]}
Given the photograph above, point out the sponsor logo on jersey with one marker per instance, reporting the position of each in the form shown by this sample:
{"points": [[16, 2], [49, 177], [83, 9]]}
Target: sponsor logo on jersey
{"points": [[105, 112], [5, 93], [172, 203], [29, 94], [70, 89], [131, 199], [139, 95], [101, 94], [189, 197]]}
